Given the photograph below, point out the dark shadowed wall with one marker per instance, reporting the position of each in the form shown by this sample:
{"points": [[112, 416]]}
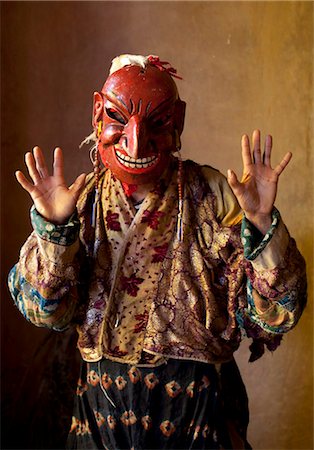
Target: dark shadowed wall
{"points": [[245, 65]]}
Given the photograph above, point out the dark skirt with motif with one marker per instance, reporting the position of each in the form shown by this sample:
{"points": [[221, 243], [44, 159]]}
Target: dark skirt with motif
{"points": [[177, 405]]}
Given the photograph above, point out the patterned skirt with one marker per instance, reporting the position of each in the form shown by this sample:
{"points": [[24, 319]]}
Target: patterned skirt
{"points": [[177, 405]]}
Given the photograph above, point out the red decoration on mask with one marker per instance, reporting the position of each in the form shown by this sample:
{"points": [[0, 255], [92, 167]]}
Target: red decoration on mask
{"points": [[141, 114], [163, 65]]}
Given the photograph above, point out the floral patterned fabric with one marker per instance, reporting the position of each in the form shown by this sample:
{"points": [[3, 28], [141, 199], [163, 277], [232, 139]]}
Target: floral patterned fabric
{"points": [[140, 296], [177, 405]]}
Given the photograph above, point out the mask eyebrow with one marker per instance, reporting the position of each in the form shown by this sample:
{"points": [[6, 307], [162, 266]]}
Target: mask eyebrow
{"points": [[114, 98], [163, 105], [132, 106], [135, 109], [148, 107], [139, 107]]}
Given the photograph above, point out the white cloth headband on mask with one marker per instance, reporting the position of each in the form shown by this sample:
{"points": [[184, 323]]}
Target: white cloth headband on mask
{"points": [[128, 60], [143, 61]]}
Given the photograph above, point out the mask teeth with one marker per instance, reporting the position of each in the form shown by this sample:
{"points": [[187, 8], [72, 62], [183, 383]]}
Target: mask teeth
{"points": [[128, 161]]}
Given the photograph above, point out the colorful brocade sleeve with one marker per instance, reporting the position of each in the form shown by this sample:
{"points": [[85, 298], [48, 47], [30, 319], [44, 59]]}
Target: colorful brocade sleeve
{"points": [[44, 282], [276, 280], [274, 270]]}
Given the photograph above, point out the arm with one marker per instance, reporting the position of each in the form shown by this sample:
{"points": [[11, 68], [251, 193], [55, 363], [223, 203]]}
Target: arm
{"points": [[276, 287], [44, 282], [276, 278]]}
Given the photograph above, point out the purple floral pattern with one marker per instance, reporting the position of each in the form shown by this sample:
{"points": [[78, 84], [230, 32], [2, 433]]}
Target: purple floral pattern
{"points": [[152, 218], [112, 221], [160, 253], [141, 322], [131, 284]]}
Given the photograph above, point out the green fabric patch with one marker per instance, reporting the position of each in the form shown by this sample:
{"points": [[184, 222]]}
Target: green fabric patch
{"points": [[57, 234], [250, 236]]}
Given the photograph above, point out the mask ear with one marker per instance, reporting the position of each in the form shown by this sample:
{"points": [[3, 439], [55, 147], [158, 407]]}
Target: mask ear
{"points": [[98, 108], [179, 115]]}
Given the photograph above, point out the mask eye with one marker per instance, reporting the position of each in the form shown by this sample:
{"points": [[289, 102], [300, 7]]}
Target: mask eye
{"points": [[161, 121], [113, 114]]}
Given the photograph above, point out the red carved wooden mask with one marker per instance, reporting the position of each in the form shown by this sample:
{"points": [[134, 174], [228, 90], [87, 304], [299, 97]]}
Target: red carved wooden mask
{"points": [[142, 118]]}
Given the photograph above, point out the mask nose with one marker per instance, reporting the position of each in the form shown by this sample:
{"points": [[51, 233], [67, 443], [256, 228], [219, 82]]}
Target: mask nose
{"points": [[135, 139]]}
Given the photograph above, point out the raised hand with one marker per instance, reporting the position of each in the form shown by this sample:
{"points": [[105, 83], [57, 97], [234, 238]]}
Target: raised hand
{"points": [[51, 196], [256, 192]]}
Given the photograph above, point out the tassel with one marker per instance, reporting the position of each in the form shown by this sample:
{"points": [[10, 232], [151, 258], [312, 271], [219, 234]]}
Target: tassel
{"points": [[95, 208], [179, 222], [180, 192], [94, 156]]}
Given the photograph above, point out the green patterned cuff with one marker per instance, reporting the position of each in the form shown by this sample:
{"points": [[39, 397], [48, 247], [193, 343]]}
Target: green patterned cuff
{"points": [[57, 234], [251, 241]]}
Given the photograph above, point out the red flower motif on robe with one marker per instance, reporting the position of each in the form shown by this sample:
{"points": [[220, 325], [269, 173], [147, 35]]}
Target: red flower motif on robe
{"points": [[160, 253], [152, 218], [112, 221], [142, 322], [130, 284]]}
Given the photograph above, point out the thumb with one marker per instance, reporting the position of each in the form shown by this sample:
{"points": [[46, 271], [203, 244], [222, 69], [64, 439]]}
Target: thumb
{"points": [[233, 180], [78, 185], [234, 183]]}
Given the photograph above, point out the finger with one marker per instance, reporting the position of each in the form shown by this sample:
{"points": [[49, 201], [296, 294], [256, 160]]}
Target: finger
{"points": [[283, 164], [78, 185], [58, 162], [246, 152], [31, 166], [29, 187], [267, 150], [40, 162], [233, 181], [256, 142]]}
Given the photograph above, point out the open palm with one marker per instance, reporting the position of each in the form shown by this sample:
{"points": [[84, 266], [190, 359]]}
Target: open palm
{"points": [[51, 196], [256, 192]]}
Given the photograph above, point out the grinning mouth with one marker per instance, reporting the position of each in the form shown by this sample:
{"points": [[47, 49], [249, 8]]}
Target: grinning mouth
{"points": [[139, 163]]}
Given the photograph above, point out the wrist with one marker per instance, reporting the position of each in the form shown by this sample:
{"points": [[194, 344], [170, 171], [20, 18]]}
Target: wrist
{"points": [[61, 220], [62, 234], [261, 221]]}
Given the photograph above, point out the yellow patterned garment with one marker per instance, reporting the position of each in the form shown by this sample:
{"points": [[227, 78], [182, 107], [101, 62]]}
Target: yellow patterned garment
{"points": [[139, 295]]}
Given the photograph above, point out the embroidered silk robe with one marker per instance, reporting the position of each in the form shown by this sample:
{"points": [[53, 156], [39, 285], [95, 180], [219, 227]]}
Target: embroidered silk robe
{"points": [[139, 295]]}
